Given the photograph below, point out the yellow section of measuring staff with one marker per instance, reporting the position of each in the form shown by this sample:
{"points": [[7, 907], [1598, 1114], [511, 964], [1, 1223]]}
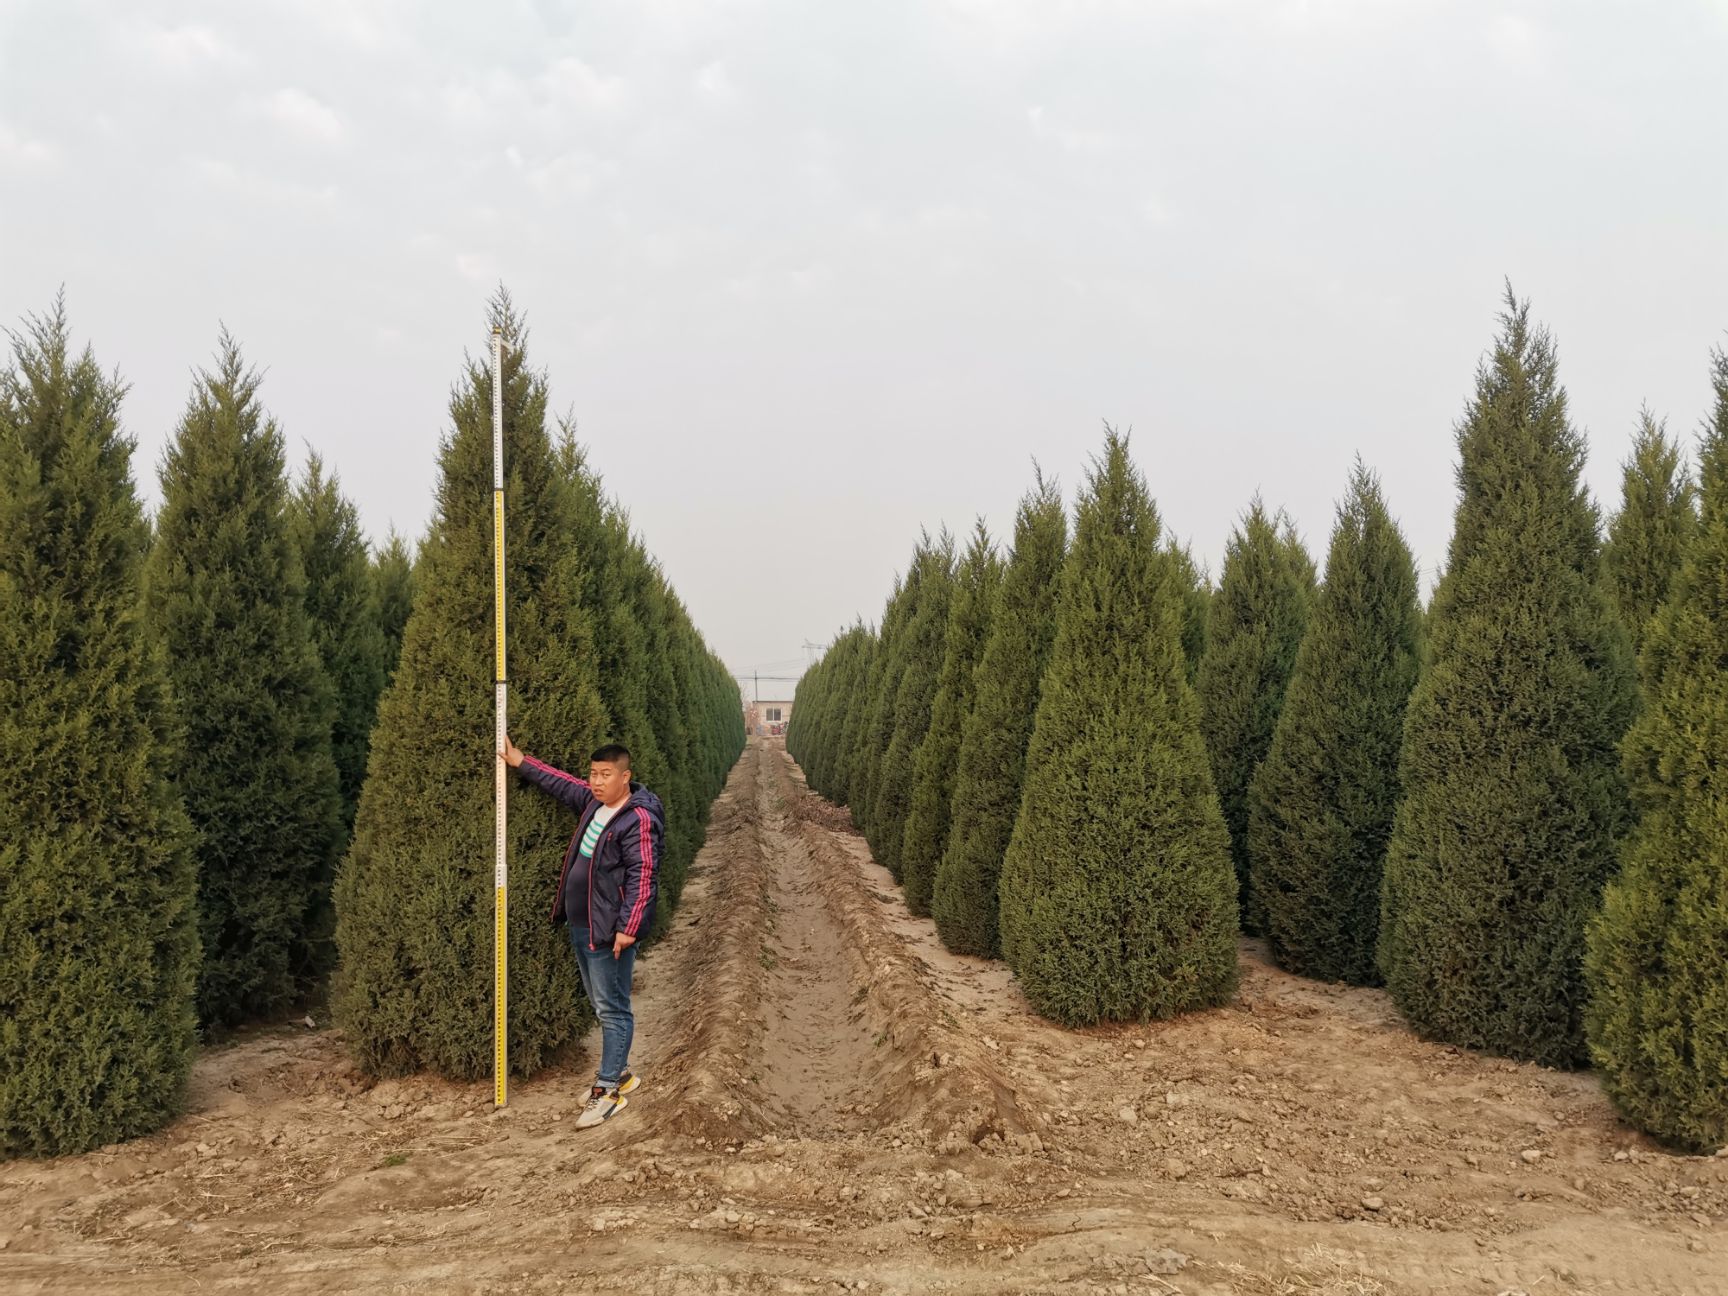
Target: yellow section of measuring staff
{"points": [[500, 1022]]}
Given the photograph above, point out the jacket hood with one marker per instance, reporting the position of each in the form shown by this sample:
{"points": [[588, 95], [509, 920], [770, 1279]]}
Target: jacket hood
{"points": [[642, 798]]}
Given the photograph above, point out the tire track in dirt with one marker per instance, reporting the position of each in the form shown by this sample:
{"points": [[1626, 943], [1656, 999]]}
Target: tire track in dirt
{"points": [[795, 1016], [817, 1060], [934, 1075]]}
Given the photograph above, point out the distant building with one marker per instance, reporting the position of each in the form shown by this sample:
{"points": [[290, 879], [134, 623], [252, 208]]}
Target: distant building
{"points": [[768, 715]]}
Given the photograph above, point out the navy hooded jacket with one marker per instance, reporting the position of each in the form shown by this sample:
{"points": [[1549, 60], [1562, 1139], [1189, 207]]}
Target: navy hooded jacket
{"points": [[624, 878]]}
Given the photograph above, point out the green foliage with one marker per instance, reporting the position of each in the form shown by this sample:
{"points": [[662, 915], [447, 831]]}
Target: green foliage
{"points": [[815, 735], [98, 924], [1322, 801], [1648, 537], [342, 606], [1657, 962], [227, 598], [877, 728], [917, 664], [614, 589], [929, 816], [1118, 900], [393, 588], [1196, 606], [656, 678], [852, 718], [992, 757], [1253, 629], [415, 898], [657, 608], [1512, 795]]}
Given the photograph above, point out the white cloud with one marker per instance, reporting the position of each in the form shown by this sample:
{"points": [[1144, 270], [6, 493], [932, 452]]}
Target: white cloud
{"points": [[1066, 138], [263, 188], [23, 150], [950, 218], [574, 174], [477, 267], [1518, 43], [310, 119], [714, 84], [359, 26], [497, 98], [570, 80], [810, 278], [190, 48], [1156, 211]]}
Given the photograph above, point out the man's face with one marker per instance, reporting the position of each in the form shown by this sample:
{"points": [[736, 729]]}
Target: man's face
{"points": [[609, 780]]}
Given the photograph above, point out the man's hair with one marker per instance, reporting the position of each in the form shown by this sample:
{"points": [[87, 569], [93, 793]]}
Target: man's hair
{"points": [[612, 754]]}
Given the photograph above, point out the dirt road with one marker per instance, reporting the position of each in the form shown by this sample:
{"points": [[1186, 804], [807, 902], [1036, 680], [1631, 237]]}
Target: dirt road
{"points": [[833, 1101]]}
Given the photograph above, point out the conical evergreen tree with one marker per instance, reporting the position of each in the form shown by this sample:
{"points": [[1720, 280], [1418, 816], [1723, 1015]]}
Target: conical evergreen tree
{"points": [[855, 713], [621, 638], [658, 607], [227, 597], [807, 723], [814, 735], [1321, 803], [803, 726], [1196, 606], [716, 718], [877, 731], [393, 587], [931, 813], [1118, 900], [839, 663], [627, 597], [98, 888], [414, 899], [1657, 962], [1648, 536], [1253, 630], [1512, 794], [342, 605], [918, 663], [991, 763]]}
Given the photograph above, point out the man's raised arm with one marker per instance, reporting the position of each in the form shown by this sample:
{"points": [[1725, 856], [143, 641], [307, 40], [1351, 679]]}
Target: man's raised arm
{"points": [[567, 788]]}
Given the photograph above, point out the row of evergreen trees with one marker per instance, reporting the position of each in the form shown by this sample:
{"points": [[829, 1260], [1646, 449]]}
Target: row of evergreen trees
{"points": [[187, 719], [185, 710], [1430, 799], [1022, 747]]}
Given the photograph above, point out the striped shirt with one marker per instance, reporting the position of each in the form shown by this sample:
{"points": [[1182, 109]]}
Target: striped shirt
{"points": [[576, 885], [596, 825]]}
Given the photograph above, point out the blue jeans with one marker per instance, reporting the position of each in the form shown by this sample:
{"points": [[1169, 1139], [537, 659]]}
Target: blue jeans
{"points": [[606, 981]]}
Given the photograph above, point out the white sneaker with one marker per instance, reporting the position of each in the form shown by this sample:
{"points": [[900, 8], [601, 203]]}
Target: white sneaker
{"points": [[630, 1083], [603, 1104]]}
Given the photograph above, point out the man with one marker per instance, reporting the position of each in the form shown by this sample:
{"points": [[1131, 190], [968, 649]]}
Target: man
{"points": [[606, 893]]}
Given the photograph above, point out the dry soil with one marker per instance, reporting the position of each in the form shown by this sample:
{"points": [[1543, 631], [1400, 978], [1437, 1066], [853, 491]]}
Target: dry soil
{"points": [[833, 1101]]}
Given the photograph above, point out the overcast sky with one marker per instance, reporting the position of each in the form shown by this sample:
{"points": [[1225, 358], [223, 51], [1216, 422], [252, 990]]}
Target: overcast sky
{"points": [[814, 274]]}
